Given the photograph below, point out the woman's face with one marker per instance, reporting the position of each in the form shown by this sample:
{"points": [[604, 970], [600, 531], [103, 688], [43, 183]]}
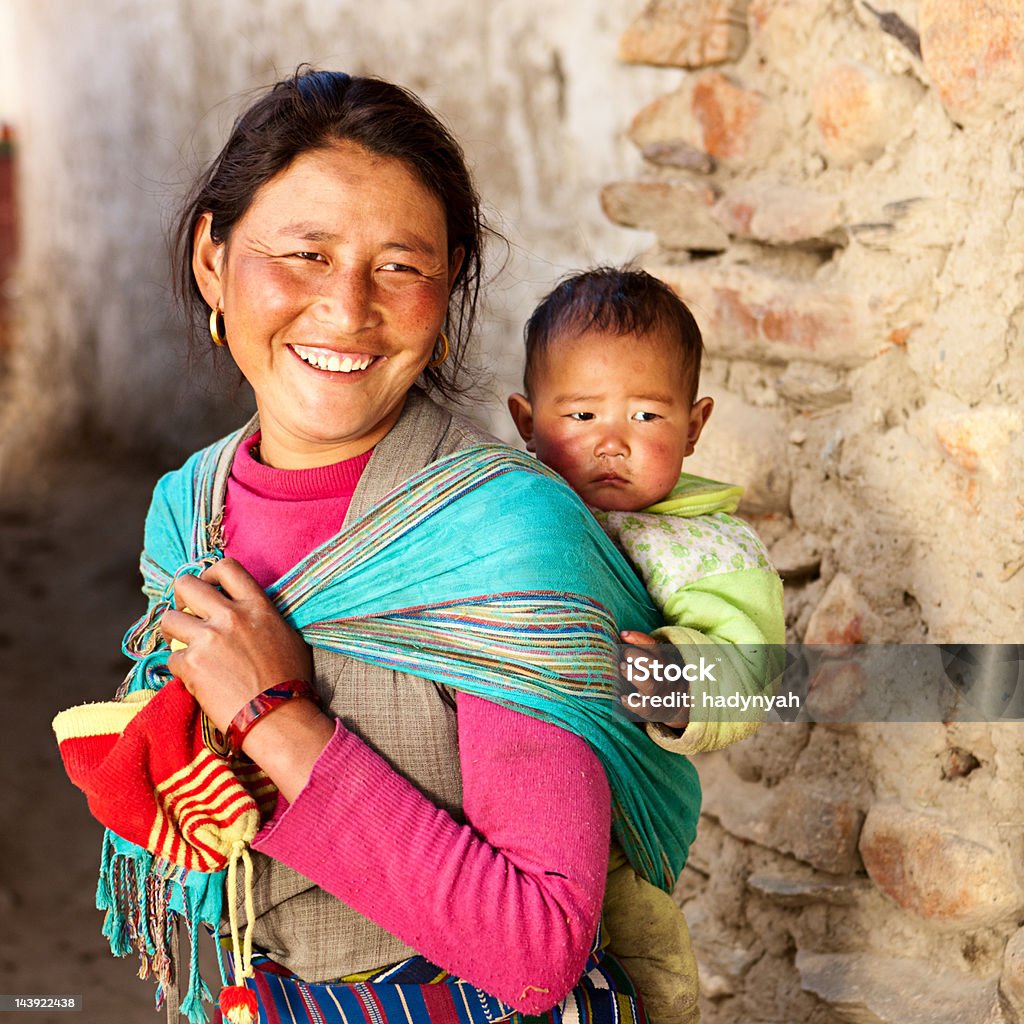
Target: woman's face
{"points": [[334, 286]]}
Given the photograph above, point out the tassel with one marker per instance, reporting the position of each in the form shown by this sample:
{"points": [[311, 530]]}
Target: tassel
{"points": [[197, 991], [238, 1005], [192, 1002], [115, 921]]}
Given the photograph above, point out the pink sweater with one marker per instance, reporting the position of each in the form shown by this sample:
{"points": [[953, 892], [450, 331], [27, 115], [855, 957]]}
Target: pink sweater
{"points": [[510, 901]]}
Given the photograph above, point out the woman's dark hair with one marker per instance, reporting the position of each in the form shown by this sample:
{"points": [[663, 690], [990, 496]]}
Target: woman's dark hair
{"points": [[616, 302], [309, 111]]}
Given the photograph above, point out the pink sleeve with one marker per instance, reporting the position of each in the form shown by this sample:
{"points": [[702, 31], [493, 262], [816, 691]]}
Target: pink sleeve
{"points": [[511, 900]]}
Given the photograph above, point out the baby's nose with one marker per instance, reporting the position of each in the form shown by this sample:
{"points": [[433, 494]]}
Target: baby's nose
{"points": [[611, 443]]}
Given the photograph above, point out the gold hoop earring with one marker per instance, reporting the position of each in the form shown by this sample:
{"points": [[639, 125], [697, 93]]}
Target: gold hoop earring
{"points": [[217, 328], [445, 349]]}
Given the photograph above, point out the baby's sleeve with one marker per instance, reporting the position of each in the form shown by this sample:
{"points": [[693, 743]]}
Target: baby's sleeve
{"points": [[737, 608]]}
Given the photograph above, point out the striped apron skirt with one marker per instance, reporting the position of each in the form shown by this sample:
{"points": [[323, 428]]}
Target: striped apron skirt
{"points": [[418, 992]]}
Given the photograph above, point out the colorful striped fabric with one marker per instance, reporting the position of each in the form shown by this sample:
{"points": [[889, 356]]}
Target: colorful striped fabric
{"points": [[484, 572], [465, 575], [416, 991]]}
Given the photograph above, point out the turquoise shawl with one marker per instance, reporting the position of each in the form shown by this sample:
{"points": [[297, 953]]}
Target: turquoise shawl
{"points": [[483, 572]]}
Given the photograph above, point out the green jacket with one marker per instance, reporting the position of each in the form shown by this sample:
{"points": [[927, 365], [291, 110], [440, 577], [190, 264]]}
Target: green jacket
{"points": [[710, 577]]}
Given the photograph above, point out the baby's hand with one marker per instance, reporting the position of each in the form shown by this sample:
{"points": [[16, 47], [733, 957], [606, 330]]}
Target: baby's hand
{"points": [[664, 654], [634, 636]]}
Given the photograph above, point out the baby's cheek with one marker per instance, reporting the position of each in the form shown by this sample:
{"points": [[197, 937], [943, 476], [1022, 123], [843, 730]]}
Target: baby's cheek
{"points": [[562, 456], [662, 462]]}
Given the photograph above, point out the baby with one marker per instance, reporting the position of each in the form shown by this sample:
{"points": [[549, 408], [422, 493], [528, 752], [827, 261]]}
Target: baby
{"points": [[612, 370]]}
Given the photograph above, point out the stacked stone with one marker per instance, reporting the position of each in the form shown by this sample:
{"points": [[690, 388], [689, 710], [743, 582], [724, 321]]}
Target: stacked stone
{"points": [[836, 190]]}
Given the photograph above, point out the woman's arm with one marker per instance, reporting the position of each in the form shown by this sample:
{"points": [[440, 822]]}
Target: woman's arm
{"points": [[510, 901]]}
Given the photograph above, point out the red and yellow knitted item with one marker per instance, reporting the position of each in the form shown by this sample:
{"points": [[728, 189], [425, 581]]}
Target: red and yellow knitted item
{"points": [[150, 778]]}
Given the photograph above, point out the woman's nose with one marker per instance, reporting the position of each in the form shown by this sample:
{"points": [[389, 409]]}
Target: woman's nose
{"points": [[345, 301]]}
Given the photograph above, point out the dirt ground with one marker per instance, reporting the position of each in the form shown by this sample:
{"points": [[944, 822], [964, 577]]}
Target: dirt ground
{"points": [[70, 587]]}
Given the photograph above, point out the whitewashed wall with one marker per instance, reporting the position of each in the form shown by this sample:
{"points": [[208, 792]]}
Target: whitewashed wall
{"points": [[118, 101]]}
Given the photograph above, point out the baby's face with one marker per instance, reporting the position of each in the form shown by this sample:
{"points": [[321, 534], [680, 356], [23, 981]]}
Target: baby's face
{"points": [[612, 415]]}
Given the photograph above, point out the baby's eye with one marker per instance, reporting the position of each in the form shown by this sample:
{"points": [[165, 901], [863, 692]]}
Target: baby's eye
{"points": [[645, 417], [581, 417]]}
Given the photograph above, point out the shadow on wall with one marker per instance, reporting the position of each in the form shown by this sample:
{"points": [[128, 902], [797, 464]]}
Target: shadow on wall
{"points": [[8, 231]]}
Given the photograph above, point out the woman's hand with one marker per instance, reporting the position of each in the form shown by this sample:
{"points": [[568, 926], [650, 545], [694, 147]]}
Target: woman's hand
{"points": [[236, 642]]}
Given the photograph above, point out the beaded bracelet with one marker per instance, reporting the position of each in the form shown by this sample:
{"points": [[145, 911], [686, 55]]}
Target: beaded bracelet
{"points": [[262, 704]]}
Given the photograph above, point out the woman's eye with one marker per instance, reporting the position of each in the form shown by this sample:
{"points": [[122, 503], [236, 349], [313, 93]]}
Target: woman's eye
{"points": [[312, 256], [645, 417], [581, 417], [400, 267]]}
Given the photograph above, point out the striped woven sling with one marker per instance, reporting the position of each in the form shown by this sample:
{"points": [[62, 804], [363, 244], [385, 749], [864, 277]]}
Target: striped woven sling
{"points": [[465, 575]]}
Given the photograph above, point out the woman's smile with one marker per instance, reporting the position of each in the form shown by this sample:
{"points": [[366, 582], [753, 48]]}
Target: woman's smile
{"points": [[332, 361]]}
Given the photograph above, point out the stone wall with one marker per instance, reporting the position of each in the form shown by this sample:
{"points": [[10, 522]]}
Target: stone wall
{"points": [[835, 188]]}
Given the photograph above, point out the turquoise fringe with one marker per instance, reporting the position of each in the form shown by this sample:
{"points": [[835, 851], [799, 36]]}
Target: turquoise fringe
{"points": [[141, 895]]}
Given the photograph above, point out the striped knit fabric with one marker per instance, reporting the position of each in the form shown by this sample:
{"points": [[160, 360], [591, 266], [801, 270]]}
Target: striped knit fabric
{"points": [[144, 767], [146, 771]]}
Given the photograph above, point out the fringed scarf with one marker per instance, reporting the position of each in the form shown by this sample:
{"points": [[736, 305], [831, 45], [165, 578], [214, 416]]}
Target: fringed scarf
{"points": [[484, 572]]}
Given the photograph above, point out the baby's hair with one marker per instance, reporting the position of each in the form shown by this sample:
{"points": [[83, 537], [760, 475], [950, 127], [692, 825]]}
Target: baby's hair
{"points": [[615, 301]]}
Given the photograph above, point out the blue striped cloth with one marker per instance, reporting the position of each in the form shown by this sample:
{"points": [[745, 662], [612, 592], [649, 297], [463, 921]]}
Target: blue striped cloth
{"points": [[416, 991]]}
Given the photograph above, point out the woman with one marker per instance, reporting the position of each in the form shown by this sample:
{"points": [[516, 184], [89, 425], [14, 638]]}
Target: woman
{"points": [[423, 819]]}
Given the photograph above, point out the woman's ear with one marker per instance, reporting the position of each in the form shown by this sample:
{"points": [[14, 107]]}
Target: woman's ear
{"points": [[455, 265], [522, 415], [208, 261], [700, 412]]}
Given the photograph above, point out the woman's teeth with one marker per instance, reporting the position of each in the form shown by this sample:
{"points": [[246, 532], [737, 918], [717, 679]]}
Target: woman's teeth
{"points": [[331, 360]]}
